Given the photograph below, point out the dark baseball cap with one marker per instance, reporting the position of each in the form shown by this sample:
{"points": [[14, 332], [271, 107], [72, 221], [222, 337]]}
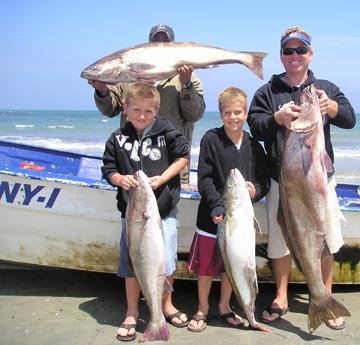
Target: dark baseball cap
{"points": [[162, 28]]}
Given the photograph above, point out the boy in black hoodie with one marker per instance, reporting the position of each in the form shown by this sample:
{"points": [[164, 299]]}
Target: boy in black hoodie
{"points": [[222, 149], [151, 144]]}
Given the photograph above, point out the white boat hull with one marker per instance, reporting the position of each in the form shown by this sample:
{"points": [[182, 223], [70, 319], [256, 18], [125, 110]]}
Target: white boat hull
{"points": [[80, 231], [73, 223]]}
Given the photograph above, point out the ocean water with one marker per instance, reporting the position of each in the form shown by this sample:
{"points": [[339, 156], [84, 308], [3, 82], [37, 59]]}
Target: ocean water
{"points": [[87, 132]]}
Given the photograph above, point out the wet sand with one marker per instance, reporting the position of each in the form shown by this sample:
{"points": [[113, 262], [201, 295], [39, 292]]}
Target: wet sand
{"points": [[51, 306]]}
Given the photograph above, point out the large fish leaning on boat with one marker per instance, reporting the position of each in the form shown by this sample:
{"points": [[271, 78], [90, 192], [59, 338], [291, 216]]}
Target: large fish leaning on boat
{"points": [[147, 253], [159, 61], [236, 240], [304, 204]]}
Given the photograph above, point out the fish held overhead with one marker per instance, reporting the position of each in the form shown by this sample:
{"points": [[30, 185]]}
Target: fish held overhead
{"points": [[159, 61], [304, 211]]}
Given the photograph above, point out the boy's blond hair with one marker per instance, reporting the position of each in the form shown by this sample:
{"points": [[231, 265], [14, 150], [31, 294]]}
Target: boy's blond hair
{"points": [[231, 95], [143, 90]]}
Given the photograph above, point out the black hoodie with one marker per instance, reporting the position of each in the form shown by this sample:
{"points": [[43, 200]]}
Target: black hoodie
{"points": [[125, 153], [218, 155], [272, 96]]}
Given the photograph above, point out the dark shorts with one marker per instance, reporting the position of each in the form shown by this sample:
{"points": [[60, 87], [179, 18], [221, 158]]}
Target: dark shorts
{"points": [[205, 259]]}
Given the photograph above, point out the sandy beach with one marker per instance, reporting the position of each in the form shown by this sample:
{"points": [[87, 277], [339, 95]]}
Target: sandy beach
{"points": [[51, 306]]}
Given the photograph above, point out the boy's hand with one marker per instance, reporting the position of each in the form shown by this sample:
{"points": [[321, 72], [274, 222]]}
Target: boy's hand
{"points": [[218, 218], [251, 189], [156, 182], [124, 181]]}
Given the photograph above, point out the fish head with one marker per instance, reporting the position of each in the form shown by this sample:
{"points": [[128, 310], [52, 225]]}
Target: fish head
{"points": [[310, 114], [142, 196], [110, 69], [142, 200], [236, 188], [144, 182], [141, 177]]}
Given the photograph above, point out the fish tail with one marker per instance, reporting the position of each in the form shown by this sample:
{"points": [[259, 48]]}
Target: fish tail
{"points": [[156, 331], [319, 313], [167, 287], [256, 64]]}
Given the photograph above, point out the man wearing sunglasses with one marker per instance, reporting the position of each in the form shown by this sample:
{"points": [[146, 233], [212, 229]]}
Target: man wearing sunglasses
{"points": [[271, 111]]}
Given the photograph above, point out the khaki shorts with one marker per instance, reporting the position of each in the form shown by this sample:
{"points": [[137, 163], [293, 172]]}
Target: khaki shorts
{"points": [[277, 247]]}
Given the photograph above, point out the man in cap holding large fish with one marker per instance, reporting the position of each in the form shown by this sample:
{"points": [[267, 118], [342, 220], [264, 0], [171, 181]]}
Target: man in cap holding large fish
{"points": [[273, 113], [182, 100]]}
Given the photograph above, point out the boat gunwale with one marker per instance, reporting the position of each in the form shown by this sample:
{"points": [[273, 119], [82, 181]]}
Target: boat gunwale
{"points": [[349, 199]]}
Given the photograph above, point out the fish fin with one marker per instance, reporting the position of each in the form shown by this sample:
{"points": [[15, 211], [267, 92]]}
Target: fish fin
{"points": [[342, 218], [131, 266], [281, 222], [255, 65], [306, 159], [325, 252], [156, 331], [167, 286], [111, 83], [306, 153], [319, 313], [280, 216], [257, 227], [328, 165], [140, 67], [210, 66]]}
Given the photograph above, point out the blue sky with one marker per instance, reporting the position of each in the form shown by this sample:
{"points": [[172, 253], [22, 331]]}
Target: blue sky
{"points": [[46, 44]]}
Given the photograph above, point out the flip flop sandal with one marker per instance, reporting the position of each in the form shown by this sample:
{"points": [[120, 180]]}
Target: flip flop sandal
{"points": [[231, 315], [335, 327], [198, 318], [128, 328], [170, 318], [271, 311]]}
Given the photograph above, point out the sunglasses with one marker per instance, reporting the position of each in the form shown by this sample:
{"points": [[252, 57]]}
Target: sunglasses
{"points": [[299, 50]]}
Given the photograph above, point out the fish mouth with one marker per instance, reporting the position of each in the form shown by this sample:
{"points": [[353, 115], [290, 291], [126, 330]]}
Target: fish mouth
{"points": [[88, 75], [141, 177], [84, 75]]}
